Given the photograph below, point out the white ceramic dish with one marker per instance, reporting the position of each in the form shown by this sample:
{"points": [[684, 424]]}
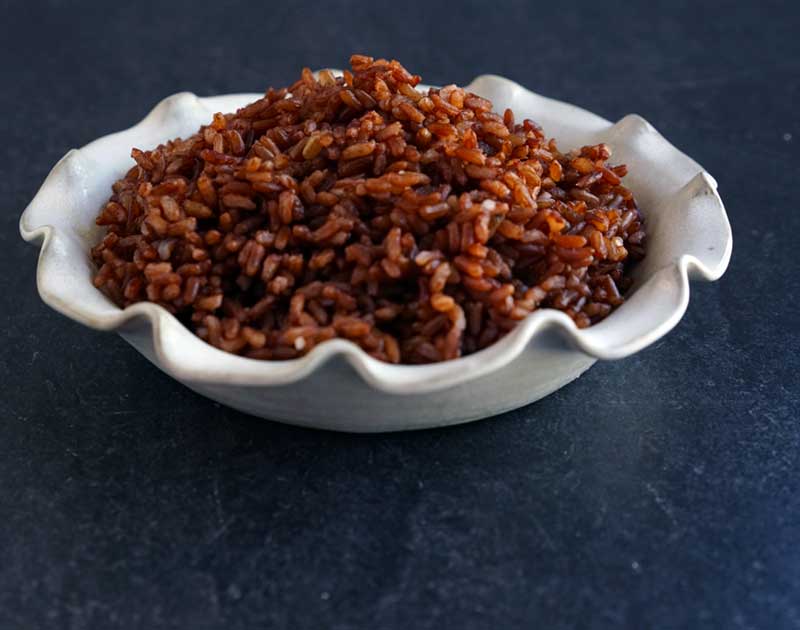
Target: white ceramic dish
{"points": [[337, 386]]}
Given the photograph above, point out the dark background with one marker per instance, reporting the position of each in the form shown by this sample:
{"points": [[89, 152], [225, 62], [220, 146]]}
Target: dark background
{"points": [[661, 491]]}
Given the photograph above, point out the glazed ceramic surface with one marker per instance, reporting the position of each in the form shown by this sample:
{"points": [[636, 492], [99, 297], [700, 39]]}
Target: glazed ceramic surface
{"points": [[337, 386]]}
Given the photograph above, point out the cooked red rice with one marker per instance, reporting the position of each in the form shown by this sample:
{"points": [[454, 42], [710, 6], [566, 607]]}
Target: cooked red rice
{"points": [[421, 226]]}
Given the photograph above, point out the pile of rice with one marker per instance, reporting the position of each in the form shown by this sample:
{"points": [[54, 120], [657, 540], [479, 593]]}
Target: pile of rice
{"points": [[422, 226]]}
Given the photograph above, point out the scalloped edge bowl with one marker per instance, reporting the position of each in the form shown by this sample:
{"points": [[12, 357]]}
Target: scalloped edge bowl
{"points": [[338, 386]]}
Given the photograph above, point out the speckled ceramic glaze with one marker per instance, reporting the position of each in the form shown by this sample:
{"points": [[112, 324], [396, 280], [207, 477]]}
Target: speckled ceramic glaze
{"points": [[338, 386]]}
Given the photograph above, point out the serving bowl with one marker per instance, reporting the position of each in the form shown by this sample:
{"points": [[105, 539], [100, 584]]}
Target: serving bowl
{"points": [[337, 385]]}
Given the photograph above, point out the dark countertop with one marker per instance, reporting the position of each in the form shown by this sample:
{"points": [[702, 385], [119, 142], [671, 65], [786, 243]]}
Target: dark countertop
{"points": [[660, 491]]}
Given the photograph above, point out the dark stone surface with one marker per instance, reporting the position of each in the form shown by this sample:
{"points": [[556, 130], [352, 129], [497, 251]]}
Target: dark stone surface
{"points": [[661, 491]]}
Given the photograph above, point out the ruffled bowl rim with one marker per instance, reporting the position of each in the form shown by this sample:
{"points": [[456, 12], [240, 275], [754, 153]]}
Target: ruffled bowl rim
{"points": [[187, 357]]}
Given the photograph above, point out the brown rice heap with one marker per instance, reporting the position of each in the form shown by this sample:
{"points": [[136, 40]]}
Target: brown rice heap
{"points": [[420, 225]]}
